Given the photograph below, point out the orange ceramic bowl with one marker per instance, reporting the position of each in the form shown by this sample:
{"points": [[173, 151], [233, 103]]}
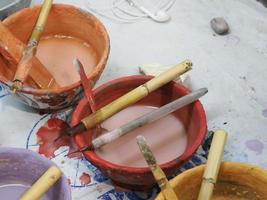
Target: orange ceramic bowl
{"points": [[63, 20]]}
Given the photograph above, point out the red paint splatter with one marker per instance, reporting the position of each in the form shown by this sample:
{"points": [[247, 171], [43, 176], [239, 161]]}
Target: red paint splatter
{"points": [[85, 179], [47, 135]]}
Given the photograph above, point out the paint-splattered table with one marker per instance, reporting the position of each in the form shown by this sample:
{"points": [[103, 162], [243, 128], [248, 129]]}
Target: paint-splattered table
{"points": [[233, 67]]}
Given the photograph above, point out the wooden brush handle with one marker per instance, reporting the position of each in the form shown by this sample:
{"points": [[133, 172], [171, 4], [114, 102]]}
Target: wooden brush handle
{"points": [[213, 165], [40, 187], [135, 95], [157, 172], [12, 49]]}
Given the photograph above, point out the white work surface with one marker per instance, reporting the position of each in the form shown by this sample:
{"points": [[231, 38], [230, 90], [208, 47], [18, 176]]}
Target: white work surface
{"points": [[233, 67]]}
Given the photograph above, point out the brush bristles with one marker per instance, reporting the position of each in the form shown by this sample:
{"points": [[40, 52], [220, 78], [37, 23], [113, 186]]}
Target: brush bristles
{"points": [[16, 86], [76, 62]]}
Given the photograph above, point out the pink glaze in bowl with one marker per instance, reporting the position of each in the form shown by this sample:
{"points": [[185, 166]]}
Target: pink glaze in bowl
{"points": [[192, 116]]}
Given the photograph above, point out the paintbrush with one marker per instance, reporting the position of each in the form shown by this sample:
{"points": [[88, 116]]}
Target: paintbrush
{"points": [[85, 83], [25, 63], [130, 98], [42, 185], [157, 172], [87, 90], [213, 165], [145, 119]]}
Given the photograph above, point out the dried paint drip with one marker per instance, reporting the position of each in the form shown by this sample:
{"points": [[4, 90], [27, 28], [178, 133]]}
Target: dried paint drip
{"points": [[47, 135], [85, 179]]}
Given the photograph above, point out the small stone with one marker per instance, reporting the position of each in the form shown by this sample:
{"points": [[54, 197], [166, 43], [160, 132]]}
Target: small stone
{"points": [[219, 25]]}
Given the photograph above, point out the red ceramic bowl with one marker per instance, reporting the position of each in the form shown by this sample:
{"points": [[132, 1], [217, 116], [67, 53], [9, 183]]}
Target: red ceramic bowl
{"points": [[192, 116]]}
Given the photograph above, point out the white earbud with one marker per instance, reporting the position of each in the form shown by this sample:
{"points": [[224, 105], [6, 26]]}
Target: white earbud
{"points": [[159, 16], [163, 16]]}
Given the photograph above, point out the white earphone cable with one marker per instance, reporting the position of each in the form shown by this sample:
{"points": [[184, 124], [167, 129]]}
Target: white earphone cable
{"points": [[129, 11]]}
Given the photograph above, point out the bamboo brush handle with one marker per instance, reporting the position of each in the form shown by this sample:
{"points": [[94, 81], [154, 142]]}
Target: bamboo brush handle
{"points": [[38, 29], [157, 172], [213, 165], [40, 187], [135, 95], [29, 52]]}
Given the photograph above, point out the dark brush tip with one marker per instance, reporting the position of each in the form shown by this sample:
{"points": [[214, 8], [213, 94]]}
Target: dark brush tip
{"points": [[76, 129]]}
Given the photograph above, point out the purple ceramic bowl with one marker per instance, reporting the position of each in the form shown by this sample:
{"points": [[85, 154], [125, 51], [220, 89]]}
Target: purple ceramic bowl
{"points": [[21, 166]]}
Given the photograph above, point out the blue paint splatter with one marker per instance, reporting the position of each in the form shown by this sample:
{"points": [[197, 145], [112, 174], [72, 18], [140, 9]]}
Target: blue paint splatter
{"points": [[255, 145], [264, 112], [97, 175], [112, 194]]}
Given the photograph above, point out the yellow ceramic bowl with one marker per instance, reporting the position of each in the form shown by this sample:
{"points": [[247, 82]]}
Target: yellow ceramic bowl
{"points": [[236, 181]]}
